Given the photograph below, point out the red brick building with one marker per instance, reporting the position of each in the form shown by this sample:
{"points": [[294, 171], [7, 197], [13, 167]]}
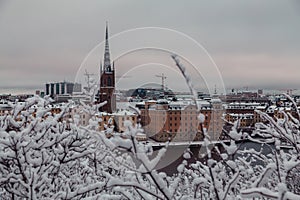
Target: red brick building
{"points": [[107, 81], [178, 121]]}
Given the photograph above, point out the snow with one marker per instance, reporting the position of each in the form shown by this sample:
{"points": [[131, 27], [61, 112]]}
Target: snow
{"points": [[258, 193], [231, 149], [187, 155], [201, 118], [123, 113]]}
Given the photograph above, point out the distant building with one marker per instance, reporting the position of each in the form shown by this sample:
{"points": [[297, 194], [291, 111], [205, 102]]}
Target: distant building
{"points": [[260, 92], [150, 93], [118, 118], [5, 96], [246, 96], [38, 92], [62, 91], [244, 112], [4, 107]]}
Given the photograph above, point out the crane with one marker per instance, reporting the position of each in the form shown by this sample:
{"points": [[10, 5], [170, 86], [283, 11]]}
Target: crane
{"points": [[163, 78], [88, 75]]}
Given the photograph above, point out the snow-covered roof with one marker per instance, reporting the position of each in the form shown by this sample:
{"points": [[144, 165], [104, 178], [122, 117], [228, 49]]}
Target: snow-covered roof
{"points": [[104, 114], [179, 103], [242, 116], [215, 100], [202, 103], [141, 134], [123, 113], [245, 103], [4, 103], [184, 96], [261, 107], [59, 105], [161, 101], [152, 101], [140, 103], [283, 108]]}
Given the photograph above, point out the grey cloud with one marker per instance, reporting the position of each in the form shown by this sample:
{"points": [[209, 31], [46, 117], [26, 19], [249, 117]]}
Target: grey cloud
{"points": [[52, 38]]}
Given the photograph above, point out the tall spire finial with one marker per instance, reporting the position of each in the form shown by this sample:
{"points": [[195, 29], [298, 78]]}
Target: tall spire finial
{"points": [[106, 31], [107, 65]]}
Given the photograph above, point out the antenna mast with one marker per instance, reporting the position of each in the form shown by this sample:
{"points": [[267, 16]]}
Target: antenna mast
{"points": [[88, 75], [163, 77]]}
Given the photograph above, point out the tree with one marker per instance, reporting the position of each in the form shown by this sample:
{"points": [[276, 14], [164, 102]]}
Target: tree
{"points": [[274, 180], [43, 159]]}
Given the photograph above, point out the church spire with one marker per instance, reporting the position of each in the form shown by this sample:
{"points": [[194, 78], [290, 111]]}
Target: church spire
{"points": [[106, 31], [107, 80], [101, 69], [107, 65]]}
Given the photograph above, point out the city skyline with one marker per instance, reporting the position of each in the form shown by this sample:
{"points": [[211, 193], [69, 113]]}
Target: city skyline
{"points": [[253, 44]]}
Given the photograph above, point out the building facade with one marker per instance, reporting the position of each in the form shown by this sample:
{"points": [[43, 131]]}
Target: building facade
{"points": [[178, 120], [216, 122], [55, 89]]}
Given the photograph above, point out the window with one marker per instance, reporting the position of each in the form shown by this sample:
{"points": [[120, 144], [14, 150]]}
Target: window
{"points": [[57, 88], [109, 81]]}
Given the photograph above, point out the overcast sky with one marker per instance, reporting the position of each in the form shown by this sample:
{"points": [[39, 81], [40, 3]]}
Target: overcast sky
{"points": [[254, 43]]}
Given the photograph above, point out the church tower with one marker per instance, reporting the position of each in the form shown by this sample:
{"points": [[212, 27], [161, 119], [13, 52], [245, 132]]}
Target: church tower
{"points": [[107, 80]]}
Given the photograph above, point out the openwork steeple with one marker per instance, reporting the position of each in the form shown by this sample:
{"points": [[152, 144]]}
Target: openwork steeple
{"points": [[107, 64]]}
